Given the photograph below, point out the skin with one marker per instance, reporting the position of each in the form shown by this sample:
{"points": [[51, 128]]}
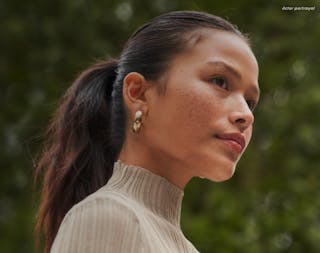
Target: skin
{"points": [[203, 99]]}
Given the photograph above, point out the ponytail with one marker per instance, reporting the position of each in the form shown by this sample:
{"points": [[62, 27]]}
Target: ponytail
{"points": [[78, 156]]}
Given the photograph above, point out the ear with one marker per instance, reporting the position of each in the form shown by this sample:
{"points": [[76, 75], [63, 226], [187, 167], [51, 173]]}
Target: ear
{"points": [[134, 88]]}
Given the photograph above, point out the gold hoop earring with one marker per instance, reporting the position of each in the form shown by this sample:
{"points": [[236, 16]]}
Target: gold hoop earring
{"points": [[137, 121]]}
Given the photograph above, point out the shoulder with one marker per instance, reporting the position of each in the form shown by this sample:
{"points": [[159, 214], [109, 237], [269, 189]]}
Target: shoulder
{"points": [[103, 205], [100, 223]]}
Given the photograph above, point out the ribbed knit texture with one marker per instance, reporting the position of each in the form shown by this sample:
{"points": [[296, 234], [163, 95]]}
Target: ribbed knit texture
{"points": [[136, 211]]}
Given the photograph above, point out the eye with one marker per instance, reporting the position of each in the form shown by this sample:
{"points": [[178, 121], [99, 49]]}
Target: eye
{"points": [[251, 104], [221, 82]]}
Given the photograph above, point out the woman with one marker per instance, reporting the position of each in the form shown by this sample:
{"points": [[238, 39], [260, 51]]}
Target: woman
{"points": [[131, 133]]}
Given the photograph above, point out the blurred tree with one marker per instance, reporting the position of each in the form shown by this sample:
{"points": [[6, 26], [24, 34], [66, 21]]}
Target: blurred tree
{"points": [[272, 203]]}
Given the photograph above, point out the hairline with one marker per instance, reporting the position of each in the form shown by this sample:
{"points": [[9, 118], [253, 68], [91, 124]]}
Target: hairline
{"points": [[190, 40]]}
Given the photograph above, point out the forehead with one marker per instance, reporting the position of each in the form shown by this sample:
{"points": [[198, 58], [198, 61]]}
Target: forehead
{"points": [[215, 45]]}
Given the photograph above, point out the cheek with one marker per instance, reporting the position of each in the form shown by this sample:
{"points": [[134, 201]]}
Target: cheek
{"points": [[185, 117], [195, 110], [177, 120], [248, 134]]}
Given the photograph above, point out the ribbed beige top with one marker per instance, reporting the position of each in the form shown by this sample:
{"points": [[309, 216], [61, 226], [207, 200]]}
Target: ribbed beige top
{"points": [[136, 211]]}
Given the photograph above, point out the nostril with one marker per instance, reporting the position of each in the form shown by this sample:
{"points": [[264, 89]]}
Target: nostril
{"points": [[240, 121]]}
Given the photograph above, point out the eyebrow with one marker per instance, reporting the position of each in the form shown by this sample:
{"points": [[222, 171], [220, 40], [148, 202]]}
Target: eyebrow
{"points": [[255, 89]]}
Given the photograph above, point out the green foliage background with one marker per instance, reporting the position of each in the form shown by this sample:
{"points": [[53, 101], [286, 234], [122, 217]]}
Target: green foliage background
{"points": [[272, 203]]}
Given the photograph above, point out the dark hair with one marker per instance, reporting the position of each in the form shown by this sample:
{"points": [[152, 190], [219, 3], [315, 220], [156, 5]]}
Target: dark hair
{"points": [[88, 130]]}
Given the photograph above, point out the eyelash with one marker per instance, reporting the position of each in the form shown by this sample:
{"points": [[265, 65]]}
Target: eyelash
{"points": [[251, 103], [221, 78]]}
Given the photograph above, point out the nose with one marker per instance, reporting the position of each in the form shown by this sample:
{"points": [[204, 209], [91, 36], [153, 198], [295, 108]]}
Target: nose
{"points": [[241, 116]]}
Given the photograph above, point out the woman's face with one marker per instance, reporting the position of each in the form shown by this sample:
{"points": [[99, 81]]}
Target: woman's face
{"points": [[203, 123]]}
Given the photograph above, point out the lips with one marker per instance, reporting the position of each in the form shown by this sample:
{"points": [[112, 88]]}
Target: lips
{"points": [[235, 140]]}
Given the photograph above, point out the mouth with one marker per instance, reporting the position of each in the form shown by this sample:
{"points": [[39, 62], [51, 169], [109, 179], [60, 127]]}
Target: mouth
{"points": [[235, 140]]}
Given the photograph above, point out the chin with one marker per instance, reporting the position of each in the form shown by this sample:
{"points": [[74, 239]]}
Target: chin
{"points": [[221, 174]]}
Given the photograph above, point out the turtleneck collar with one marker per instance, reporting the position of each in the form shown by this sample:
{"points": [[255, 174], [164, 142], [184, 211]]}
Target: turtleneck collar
{"points": [[151, 190]]}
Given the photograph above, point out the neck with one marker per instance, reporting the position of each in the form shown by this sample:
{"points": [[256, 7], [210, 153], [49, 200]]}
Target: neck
{"points": [[157, 162], [152, 191]]}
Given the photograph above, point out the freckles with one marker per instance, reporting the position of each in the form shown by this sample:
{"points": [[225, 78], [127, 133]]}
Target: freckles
{"points": [[197, 110]]}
